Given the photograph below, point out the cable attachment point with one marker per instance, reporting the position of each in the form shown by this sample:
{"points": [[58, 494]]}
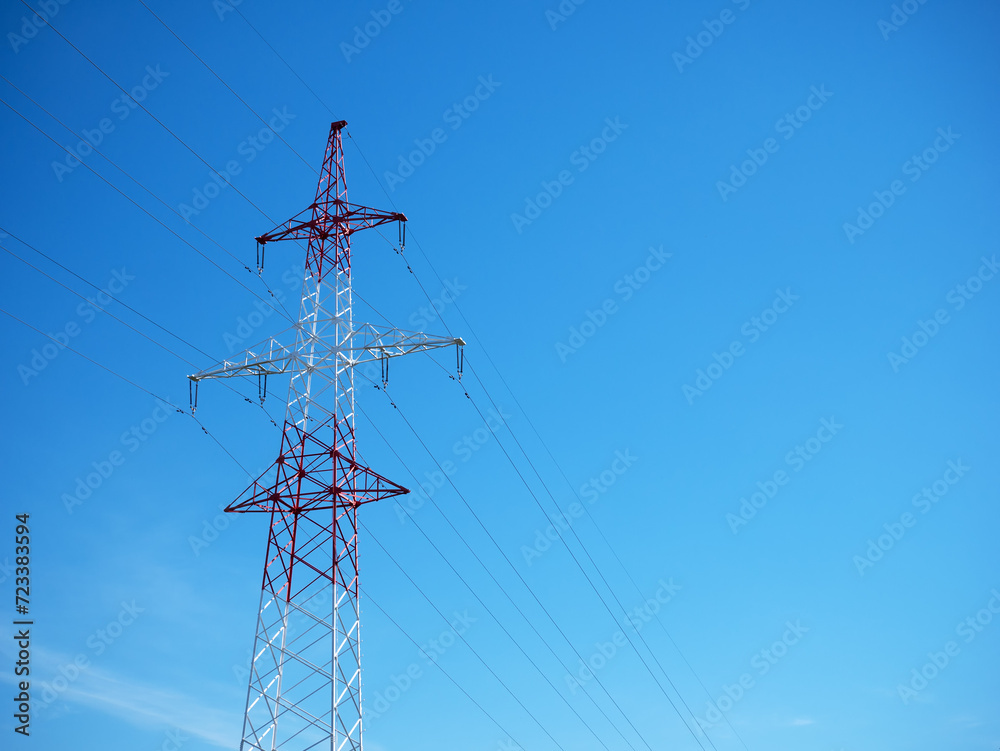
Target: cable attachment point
{"points": [[402, 235], [193, 394], [384, 362], [261, 387], [260, 257], [460, 357]]}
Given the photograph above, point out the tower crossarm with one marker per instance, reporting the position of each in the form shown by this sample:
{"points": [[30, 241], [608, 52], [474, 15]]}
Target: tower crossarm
{"points": [[337, 217], [373, 343], [268, 358], [365, 344]]}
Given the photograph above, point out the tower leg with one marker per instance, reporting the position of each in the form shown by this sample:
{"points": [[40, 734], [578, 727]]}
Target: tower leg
{"points": [[292, 677]]}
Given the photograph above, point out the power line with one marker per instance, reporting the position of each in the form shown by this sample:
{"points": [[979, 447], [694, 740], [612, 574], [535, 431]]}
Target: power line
{"points": [[511, 600], [596, 568], [133, 202], [513, 568], [140, 105], [123, 322], [91, 284], [284, 310], [130, 382], [192, 364], [592, 585], [242, 100], [98, 307], [600, 532], [170, 208], [474, 652], [515, 438], [538, 503], [283, 60], [247, 472], [606, 541], [438, 665], [603, 537]]}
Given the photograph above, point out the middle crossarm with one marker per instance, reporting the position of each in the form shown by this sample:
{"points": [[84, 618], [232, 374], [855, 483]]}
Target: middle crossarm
{"points": [[365, 344]]}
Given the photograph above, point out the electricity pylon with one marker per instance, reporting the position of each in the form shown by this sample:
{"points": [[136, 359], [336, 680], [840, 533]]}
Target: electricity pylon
{"points": [[305, 679]]}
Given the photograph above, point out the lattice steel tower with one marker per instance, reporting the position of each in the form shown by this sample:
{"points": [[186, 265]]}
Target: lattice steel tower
{"points": [[305, 679]]}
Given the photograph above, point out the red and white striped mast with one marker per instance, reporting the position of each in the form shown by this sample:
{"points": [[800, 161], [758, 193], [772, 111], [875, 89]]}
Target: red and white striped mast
{"points": [[305, 679]]}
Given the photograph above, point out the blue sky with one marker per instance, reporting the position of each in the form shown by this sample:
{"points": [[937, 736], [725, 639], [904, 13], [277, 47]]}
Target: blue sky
{"points": [[698, 253]]}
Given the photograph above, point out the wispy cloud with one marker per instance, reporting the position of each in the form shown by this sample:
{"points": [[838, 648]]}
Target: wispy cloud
{"points": [[151, 706], [145, 705]]}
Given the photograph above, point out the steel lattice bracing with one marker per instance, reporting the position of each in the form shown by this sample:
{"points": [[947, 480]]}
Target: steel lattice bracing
{"points": [[305, 682]]}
